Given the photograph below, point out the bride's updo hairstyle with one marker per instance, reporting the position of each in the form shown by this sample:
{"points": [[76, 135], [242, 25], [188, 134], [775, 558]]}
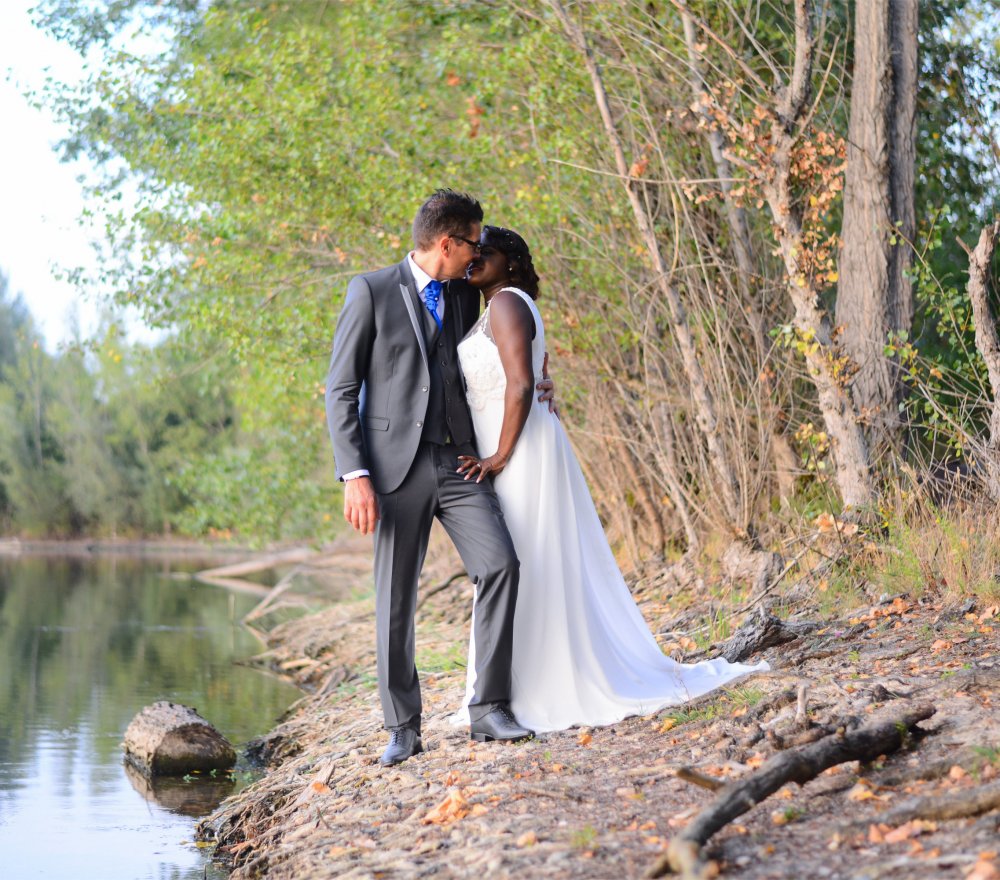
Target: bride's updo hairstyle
{"points": [[515, 249]]}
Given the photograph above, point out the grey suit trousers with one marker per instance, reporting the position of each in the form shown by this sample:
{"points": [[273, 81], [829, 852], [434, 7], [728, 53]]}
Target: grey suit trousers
{"points": [[471, 514]]}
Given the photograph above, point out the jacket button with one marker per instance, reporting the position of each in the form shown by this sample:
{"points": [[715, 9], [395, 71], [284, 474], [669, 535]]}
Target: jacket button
{"points": [[424, 389], [420, 424]]}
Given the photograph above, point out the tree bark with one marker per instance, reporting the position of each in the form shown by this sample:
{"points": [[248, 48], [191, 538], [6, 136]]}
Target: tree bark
{"points": [[988, 342], [874, 296]]}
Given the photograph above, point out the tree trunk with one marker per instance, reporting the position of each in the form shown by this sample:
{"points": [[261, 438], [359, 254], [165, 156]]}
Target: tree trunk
{"points": [[874, 296], [836, 403], [166, 739], [988, 342]]}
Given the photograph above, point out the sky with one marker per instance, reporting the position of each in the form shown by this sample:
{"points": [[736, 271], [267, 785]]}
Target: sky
{"points": [[40, 197]]}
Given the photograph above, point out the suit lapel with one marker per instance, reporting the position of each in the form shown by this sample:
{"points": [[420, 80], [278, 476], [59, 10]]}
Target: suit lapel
{"points": [[408, 290]]}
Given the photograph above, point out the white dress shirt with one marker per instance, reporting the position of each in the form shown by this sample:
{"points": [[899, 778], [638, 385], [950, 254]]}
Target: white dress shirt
{"points": [[421, 280]]}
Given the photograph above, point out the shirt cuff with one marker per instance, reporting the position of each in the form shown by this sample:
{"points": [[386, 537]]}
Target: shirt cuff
{"points": [[353, 475]]}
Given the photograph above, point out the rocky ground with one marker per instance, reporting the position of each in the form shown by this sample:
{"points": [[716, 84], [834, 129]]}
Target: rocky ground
{"points": [[607, 802]]}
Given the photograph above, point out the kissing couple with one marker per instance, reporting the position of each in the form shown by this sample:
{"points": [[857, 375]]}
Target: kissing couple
{"points": [[432, 410]]}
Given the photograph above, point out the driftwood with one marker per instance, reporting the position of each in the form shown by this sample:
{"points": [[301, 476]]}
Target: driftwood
{"points": [[167, 739], [258, 563], [759, 631], [796, 765]]}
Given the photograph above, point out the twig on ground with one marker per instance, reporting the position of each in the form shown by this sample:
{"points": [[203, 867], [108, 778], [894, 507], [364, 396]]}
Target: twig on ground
{"points": [[936, 807], [797, 765]]}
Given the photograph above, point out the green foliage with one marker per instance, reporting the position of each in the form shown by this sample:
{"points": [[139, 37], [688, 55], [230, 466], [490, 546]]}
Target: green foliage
{"points": [[265, 163], [106, 438], [254, 155]]}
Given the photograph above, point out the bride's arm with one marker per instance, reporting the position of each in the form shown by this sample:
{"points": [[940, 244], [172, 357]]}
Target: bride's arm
{"points": [[513, 328]]}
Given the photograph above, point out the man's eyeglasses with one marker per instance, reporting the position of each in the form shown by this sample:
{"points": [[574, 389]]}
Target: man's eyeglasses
{"points": [[475, 245]]}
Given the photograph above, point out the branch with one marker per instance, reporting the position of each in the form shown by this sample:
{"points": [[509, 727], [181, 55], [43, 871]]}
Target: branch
{"points": [[797, 94], [796, 765]]}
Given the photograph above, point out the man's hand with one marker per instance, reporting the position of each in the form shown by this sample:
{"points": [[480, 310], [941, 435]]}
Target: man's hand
{"points": [[361, 504], [548, 388]]}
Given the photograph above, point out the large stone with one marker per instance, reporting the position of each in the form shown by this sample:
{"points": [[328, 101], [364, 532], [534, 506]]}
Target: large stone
{"points": [[167, 739]]}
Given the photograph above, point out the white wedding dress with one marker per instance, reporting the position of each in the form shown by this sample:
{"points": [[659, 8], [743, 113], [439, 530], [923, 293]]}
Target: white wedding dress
{"points": [[583, 654]]}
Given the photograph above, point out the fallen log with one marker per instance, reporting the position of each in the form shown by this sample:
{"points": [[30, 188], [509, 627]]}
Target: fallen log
{"points": [[683, 855], [167, 739]]}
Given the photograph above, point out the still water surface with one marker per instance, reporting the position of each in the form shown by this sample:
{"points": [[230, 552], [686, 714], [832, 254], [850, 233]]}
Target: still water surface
{"points": [[85, 644]]}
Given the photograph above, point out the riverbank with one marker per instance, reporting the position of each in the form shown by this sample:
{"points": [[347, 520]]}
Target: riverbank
{"points": [[606, 802], [122, 546]]}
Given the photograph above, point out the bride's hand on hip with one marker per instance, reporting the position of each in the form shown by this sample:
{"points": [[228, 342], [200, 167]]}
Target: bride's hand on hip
{"points": [[480, 468], [548, 388]]}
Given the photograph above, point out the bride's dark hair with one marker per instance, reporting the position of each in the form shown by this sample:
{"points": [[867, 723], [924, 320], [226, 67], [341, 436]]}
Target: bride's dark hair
{"points": [[512, 246]]}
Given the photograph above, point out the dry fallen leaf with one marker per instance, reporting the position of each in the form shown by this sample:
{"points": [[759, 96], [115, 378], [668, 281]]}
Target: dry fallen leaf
{"points": [[320, 787], [584, 739], [454, 807], [529, 838], [454, 778], [983, 870], [861, 792], [876, 833], [908, 830]]}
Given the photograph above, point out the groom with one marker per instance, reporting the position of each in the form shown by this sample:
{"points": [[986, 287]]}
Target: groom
{"points": [[398, 418]]}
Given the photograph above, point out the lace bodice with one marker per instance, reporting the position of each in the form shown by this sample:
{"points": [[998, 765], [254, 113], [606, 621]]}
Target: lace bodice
{"points": [[484, 376]]}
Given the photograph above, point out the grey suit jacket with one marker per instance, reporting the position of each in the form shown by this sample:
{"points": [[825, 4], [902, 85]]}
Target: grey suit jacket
{"points": [[376, 388]]}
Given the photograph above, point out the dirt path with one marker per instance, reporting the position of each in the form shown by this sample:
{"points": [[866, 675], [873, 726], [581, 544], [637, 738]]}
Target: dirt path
{"points": [[604, 803]]}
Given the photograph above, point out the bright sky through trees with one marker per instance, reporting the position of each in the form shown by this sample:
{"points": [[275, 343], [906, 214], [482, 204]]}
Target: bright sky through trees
{"points": [[40, 199]]}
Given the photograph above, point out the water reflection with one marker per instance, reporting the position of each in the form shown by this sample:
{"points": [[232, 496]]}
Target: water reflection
{"points": [[85, 644], [188, 797]]}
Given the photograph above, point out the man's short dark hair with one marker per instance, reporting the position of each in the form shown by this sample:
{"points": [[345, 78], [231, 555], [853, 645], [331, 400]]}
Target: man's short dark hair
{"points": [[445, 212]]}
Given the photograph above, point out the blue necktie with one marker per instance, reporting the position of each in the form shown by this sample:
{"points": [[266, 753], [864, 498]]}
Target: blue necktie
{"points": [[432, 293]]}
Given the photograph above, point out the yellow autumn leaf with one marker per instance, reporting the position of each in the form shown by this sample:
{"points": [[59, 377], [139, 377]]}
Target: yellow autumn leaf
{"points": [[454, 807]]}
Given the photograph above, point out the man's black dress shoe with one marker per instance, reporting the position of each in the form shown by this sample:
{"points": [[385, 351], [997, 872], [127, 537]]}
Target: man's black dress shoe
{"points": [[404, 742], [498, 724]]}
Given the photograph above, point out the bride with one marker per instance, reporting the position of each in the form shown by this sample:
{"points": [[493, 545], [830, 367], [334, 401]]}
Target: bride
{"points": [[583, 654]]}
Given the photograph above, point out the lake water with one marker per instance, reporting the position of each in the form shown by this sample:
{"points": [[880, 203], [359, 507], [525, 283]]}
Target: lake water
{"points": [[85, 644]]}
